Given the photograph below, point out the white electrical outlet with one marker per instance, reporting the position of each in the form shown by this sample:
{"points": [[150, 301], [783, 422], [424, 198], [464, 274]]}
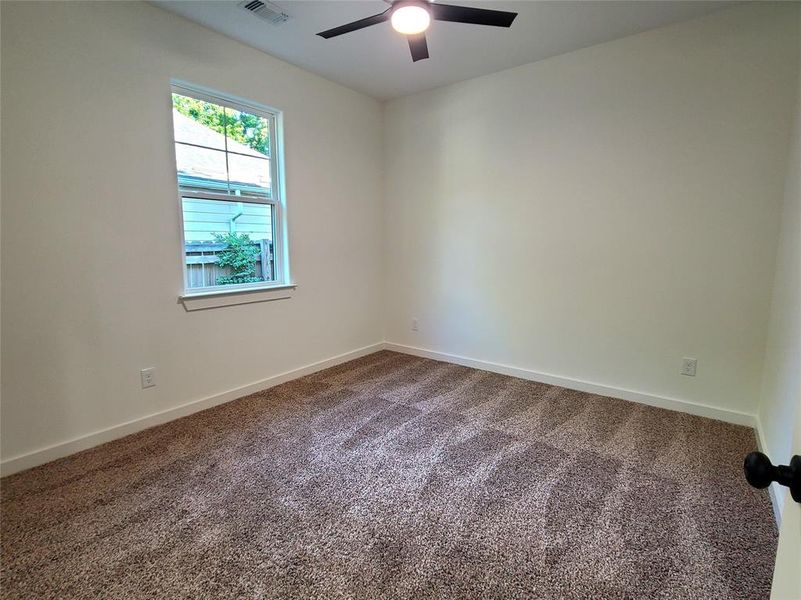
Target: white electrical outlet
{"points": [[688, 366], [415, 324], [148, 377]]}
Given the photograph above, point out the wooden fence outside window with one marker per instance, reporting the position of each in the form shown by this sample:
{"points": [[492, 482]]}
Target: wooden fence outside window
{"points": [[202, 269]]}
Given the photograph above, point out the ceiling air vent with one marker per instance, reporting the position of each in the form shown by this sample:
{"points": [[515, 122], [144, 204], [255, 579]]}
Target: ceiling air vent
{"points": [[265, 10]]}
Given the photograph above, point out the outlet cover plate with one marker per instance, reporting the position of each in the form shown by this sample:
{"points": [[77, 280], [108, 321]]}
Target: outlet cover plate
{"points": [[148, 377]]}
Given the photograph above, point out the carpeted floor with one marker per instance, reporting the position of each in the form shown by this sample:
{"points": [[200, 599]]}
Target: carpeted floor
{"points": [[398, 477]]}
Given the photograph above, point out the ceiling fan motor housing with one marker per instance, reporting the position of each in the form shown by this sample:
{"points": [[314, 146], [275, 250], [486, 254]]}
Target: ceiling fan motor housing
{"points": [[401, 3]]}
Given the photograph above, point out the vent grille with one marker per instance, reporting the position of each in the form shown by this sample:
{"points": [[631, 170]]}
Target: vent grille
{"points": [[265, 10]]}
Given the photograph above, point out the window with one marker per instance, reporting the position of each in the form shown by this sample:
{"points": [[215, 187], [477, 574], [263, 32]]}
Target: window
{"points": [[226, 155]]}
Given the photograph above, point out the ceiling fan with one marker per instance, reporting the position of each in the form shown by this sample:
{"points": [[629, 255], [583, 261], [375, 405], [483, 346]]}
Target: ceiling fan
{"points": [[412, 18]]}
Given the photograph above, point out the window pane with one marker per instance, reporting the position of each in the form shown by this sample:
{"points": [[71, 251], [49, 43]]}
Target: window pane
{"points": [[249, 175], [227, 243], [197, 122], [250, 130], [201, 168], [221, 149]]}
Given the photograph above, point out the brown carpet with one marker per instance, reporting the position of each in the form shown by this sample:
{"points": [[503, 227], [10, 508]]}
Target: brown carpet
{"points": [[398, 477]]}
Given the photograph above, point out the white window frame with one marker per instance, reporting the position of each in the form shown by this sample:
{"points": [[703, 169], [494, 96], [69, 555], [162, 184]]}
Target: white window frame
{"points": [[277, 199]]}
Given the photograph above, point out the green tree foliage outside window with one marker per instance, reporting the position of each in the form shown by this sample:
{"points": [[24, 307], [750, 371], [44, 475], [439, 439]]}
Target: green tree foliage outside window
{"points": [[251, 130], [239, 254]]}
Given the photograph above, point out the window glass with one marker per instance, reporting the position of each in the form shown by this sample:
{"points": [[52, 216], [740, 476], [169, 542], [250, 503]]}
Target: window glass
{"points": [[226, 179]]}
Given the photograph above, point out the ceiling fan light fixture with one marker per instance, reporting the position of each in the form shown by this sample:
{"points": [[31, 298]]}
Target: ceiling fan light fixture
{"points": [[410, 19]]}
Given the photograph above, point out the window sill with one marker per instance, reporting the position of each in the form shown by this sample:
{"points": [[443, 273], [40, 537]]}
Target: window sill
{"points": [[218, 299]]}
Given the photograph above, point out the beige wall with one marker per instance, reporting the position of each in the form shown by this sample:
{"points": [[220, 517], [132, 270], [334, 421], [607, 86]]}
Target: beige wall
{"points": [[601, 214], [91, 255]]}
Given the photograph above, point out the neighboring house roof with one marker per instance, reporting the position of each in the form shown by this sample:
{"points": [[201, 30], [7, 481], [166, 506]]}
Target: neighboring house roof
{"points": [[247, 168]]}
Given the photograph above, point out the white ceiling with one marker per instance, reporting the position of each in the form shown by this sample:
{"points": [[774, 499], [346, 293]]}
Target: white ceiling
{"points": [[376, 60]]}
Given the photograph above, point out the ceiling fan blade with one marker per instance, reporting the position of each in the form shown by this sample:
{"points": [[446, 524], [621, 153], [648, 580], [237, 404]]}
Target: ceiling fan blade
{"points": [[418, 46], [475, 16], [355, 25]]}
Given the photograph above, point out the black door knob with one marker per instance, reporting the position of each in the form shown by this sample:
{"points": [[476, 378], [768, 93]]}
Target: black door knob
{"points": [[760, 473]]}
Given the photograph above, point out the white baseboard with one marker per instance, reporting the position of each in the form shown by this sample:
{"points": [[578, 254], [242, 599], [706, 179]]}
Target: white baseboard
{"points": [[693, 408], [775, 490], [44, 455], [49, 453]]}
